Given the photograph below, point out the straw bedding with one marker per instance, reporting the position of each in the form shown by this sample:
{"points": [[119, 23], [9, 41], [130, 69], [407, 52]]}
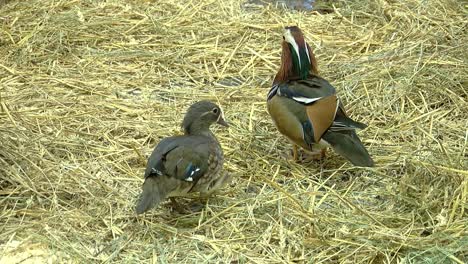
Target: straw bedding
{"points": [[87, 88]]}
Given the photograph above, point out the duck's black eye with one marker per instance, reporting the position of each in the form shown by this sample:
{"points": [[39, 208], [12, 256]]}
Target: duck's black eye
{"points": [[284, 38], [215, 110]]}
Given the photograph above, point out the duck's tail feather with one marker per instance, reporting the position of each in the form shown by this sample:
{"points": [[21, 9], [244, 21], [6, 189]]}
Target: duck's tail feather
{"points": [[347, 144], [154, 192]]}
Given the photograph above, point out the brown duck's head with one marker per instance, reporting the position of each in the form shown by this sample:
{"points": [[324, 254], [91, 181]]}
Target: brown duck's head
{"points": [[201, 115], [297, 58]]}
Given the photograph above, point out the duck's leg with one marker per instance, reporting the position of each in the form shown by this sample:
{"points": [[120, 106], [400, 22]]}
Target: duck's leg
{"points": [[295, 153], [323, 153], [198, 206], [176, 205]]}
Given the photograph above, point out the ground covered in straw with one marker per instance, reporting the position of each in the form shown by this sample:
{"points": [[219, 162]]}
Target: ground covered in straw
{"points": [[87, 88]]}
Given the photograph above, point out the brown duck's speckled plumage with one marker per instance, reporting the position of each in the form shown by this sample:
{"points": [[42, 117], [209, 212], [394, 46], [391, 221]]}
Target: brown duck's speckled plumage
{"points": [[189, 163], [214, 178]]}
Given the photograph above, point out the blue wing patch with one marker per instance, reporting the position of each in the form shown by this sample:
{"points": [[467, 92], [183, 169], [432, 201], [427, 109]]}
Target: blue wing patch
{"points": [[191, 172]]}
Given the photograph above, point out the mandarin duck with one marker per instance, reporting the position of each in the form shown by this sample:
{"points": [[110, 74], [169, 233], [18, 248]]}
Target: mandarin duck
{"points": [[187, 163], [305, 108]]}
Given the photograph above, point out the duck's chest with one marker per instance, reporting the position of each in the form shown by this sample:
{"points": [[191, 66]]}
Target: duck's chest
{"points": [[213, 174], [215, 159]]}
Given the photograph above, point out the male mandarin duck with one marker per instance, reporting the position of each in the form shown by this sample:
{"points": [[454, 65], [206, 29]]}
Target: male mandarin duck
{"points": [[188, 163], [306, 109]]}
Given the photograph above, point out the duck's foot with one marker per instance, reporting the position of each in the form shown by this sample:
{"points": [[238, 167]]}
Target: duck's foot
{"points": [[176, 206], [307, 156], [318, 155], [198, 206], [181, 209], [193, 207]]}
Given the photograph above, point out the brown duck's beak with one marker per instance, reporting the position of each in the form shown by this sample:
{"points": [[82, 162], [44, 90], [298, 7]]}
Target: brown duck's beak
{"points": [[222, 122]]}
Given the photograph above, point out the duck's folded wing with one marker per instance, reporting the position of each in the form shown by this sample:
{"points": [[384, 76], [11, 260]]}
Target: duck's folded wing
{"points": [[183, 158], [176, 162], [318, 99], [305, 91]]}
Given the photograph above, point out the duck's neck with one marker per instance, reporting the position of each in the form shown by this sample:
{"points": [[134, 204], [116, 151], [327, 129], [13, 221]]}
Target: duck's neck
{"points": [[197, 128]]}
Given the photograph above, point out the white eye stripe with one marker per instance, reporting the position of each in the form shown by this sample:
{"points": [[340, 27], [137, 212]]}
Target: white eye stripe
{"points": [[222, 113], [307, 50], [288, 37]]}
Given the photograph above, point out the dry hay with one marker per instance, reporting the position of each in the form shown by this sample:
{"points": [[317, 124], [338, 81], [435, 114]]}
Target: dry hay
{"points": [[89, 87]]}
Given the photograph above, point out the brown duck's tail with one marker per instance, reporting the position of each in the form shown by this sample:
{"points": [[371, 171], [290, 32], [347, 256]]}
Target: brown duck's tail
{"points": [[154, 192]]}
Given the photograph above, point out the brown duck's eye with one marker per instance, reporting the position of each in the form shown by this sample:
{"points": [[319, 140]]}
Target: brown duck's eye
{"points": [[284, 38], [215, 110]]}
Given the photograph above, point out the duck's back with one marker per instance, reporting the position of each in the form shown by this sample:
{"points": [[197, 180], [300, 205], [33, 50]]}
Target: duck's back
{"points": [[182, 164]]}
